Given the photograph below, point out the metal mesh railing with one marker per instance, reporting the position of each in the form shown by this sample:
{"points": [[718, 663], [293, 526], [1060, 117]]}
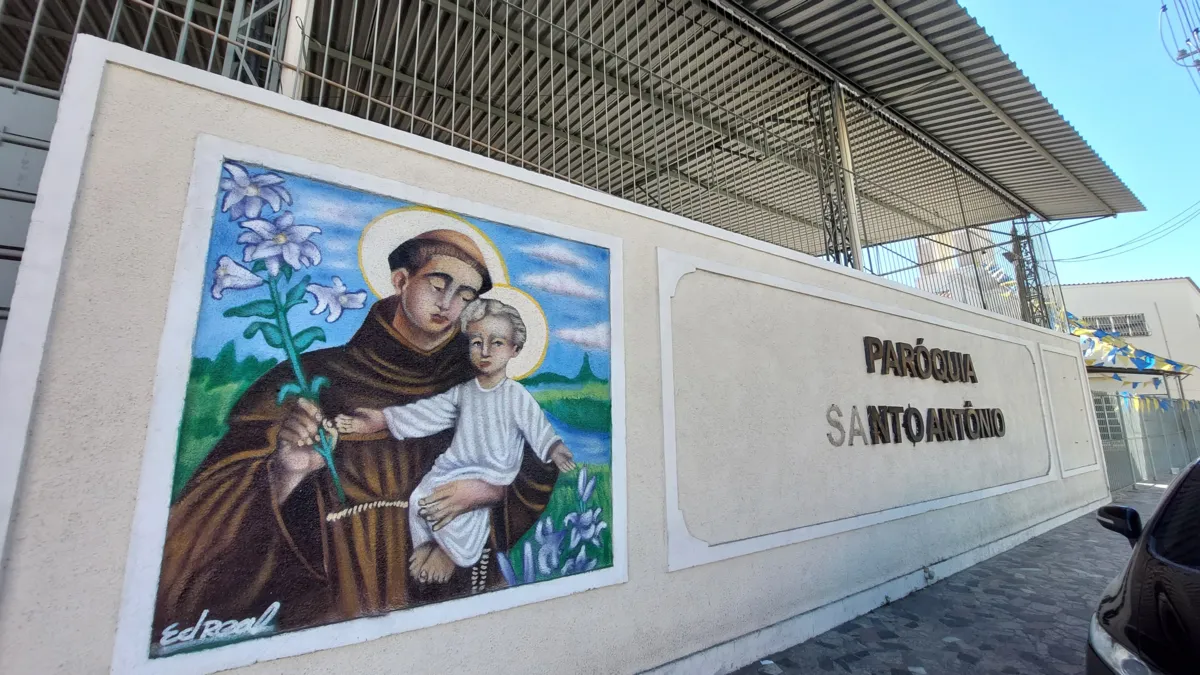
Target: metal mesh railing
{"points": [[1004, 268], [1146, 439], [669, 103]]}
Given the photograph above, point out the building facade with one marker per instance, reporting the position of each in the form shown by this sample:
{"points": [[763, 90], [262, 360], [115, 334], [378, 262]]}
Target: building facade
{"points": [[1161, 316], [261, 225]]}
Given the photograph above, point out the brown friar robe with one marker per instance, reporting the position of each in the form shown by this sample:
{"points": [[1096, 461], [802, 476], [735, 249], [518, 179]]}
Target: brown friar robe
{"points": [[231, 549]]}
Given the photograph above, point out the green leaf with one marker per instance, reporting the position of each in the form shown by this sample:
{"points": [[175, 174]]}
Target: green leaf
{"points": [[287, 272], [263, 308], [304, 339], [259, 266], [295, 296], [270, 333], [318, 383], [289, 389]]}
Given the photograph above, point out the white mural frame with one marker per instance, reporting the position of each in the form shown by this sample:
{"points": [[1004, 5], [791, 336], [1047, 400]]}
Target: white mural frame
{"points": [[684, 549], [131, 654]]}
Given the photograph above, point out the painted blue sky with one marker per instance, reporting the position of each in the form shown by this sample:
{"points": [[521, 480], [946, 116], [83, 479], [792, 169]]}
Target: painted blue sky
{"points": [[570, 280]]}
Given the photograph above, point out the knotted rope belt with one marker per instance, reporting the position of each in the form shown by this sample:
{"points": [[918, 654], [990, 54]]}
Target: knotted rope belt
{"points": [[479, 571], [359, 508]]}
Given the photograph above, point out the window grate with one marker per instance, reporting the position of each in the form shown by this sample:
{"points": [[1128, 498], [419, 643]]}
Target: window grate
{"points": [[1125, 324]]}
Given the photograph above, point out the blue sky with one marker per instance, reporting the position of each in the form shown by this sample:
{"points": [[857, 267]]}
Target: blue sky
{"points": [[341, 214], [1101, 63]]}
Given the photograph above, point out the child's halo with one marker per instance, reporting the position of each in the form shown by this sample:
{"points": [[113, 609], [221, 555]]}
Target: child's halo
{"points": [[537, 329]]}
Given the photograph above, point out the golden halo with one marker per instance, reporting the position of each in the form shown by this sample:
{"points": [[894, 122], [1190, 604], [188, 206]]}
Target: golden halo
{"points": [[390, 229], [537, 330]]}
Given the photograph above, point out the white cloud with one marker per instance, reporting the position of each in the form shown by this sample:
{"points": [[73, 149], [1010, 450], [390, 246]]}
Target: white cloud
{"points": [[556, 253], [350, 213], [561, 283], [339, 243], [592, 337], [340, 263]]}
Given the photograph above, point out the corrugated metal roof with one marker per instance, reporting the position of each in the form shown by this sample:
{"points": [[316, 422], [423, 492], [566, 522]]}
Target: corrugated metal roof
{"points": [[1058, 173], [685, 105], [1137, 281]]}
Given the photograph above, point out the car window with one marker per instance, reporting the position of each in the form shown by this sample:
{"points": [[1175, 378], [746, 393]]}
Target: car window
{"points": [[1176, 536]]}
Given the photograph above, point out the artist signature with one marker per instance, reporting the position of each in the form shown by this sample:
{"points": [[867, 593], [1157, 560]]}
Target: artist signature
{"points": [[215, 629]]}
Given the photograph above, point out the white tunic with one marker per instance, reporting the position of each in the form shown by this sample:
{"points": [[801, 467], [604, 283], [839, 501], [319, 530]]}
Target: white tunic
{"points": [[491, 429]]}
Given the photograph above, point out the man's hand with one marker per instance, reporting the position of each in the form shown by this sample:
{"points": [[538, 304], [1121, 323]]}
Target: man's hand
{"points": [[456, 498], [294, 457]]}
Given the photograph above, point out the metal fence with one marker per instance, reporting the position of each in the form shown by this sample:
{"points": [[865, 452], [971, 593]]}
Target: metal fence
{"points": [[1146, 439], [675, 104], [1006, 268]]}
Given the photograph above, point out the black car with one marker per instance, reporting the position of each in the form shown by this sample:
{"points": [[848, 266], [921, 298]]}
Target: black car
{"points": [[1148, 621]]}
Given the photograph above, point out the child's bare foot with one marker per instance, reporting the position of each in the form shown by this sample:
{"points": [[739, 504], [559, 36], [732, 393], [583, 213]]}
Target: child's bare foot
{"points": [[417, 560], [363, 421], [437, 569]]}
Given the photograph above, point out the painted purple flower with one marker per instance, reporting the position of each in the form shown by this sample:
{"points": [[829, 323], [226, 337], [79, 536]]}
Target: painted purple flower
{"points": [[580, 563], [584, 485], [585, 526], [550, 546], [229, 274], [280, 240], [527, 563], [335, 298], [245, 195]]}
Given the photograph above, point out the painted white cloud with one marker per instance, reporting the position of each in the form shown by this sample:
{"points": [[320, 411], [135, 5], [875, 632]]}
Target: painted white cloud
{"points": [[562, 283], [347, 213], [556, 253], [592, 337], [340, 263], [340, 243]]}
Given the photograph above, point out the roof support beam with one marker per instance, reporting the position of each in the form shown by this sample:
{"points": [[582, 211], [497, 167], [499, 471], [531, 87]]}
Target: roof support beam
{"points": [[914, 35], [753, 25], [807, 159], [649, 165]]}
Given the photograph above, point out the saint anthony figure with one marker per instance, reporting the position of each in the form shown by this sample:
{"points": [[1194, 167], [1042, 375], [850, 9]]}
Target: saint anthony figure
{"points": [[261, 522]]}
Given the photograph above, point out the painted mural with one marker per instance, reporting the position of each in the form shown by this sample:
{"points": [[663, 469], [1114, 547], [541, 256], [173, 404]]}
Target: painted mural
{"points": [[389, 406]]}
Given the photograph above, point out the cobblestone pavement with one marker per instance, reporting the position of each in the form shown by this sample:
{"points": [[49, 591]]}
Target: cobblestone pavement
{"points": [[1025, 611]]}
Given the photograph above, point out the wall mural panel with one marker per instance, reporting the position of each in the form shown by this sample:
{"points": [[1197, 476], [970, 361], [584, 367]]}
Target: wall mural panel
{"points": [[389, 405]]}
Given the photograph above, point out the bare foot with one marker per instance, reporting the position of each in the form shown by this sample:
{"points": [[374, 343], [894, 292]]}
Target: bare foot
{"points": [[417, 560], [438, 567]]}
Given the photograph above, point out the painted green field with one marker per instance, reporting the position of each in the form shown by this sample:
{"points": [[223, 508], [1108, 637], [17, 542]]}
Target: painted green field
{"points": [[586, 407], [563, 501], [213, 387]]}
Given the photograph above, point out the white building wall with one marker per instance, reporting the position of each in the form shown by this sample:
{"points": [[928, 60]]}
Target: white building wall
{"points": [[1172, 310], [748, 577]]}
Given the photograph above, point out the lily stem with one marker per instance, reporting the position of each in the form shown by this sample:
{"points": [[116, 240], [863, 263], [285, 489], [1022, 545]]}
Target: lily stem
{"points": [[325, 448]]}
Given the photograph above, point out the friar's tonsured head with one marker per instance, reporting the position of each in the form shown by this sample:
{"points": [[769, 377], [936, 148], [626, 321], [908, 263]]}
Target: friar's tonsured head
{"points": [[437, 274]]}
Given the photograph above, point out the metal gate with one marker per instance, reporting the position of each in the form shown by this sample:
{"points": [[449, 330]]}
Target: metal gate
{"points": [[1146, 439]]}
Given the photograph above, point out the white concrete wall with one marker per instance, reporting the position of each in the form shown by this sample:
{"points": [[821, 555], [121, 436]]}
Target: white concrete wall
{"points": [[936, 507], [1172, 309]]}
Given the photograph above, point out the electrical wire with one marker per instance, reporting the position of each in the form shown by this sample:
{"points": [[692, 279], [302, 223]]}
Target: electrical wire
{"points": [[1129, 250], [1174, 57], [1150, 236], [1134, 244], [1060, 228]]}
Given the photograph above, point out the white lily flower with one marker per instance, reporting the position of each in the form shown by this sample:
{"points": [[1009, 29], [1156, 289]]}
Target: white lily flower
{"points": [[281, 240], [229, 274], [245, 195], [335, 298]]}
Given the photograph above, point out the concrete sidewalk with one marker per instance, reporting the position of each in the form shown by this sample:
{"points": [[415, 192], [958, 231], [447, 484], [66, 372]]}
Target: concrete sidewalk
{"points": [[1023, 611]]}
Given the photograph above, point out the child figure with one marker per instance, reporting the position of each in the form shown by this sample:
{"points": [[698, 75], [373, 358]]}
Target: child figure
{"points": [[493, 418]]}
